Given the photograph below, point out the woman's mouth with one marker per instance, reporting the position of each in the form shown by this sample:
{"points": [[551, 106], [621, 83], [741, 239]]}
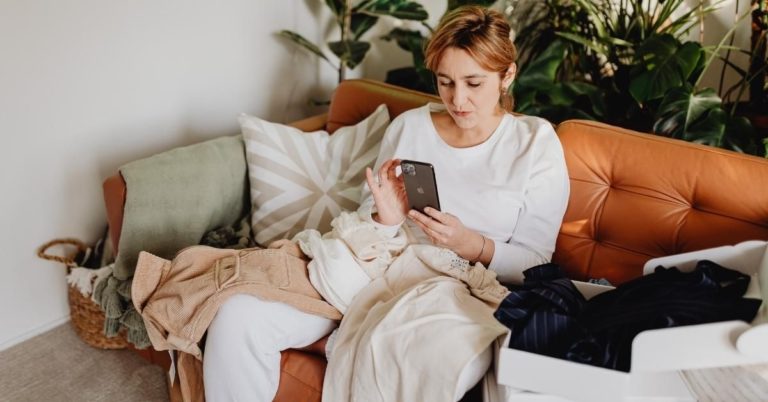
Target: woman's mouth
{"points": [[461, 114]]}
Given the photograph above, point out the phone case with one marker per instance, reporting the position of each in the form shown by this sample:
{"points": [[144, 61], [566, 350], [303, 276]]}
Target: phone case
{"points": [[420, 185]]}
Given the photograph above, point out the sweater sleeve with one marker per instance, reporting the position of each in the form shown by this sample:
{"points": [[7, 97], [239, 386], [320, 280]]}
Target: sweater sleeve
{"points": [[546, 198]]}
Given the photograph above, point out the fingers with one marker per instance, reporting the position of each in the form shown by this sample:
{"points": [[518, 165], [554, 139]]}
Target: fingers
{"points": [[392, 170], [388, 170], [371, 180], [438, 232], [442, 217]]}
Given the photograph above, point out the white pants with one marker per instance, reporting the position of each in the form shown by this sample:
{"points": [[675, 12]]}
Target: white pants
{"points": [[242, 351]]}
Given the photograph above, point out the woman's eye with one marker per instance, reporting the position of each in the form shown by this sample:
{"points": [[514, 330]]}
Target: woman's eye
{"points": [[474, 84], [444, 83]]}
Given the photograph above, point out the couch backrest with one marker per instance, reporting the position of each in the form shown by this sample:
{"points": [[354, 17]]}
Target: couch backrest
{"points": [[354, 100], [633, 196], [636, 196]]}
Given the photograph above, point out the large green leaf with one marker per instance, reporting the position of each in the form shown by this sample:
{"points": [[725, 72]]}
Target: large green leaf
{"points": [[662, 63], [740, 136], [588, 43], [709, 130], [303, 42], [408, 40], [402, 9], [595, 95], [350, 52], [692, 116], [360, 23], [765, 144], [543, 69], [525, 98], [338, 7]]}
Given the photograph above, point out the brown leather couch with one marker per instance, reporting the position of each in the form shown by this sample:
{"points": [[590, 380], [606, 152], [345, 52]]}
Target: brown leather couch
{"points": [[633, 197]]}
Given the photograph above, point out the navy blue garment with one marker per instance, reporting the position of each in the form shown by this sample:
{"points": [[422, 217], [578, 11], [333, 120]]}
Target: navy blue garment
{"points": [[542, 312], [666, 298], [600, 331]]}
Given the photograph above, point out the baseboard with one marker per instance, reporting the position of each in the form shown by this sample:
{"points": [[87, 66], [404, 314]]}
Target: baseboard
{"points": [[33, 332]]}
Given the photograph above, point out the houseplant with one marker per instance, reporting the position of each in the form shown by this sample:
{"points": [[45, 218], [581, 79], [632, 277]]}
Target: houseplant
{"points": [[626, 63], [417, 76], [758, 68], [353, 22]]}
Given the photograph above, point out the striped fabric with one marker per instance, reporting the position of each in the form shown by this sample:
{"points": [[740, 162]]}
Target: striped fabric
{"points": [[302, 180], [548, 315]]}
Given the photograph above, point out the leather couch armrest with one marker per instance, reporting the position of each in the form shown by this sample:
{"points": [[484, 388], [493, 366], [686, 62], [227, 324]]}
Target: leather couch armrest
{"points": [[114, 202], [313, 123]]}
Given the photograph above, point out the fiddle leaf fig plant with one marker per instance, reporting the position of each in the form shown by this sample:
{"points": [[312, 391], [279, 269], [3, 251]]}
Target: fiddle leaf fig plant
{"points": [[417, 76], [353, 22]]}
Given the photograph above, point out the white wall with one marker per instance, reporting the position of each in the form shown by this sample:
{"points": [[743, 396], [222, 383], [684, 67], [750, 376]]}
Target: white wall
{"points": [[716, 25], [88, 85]]}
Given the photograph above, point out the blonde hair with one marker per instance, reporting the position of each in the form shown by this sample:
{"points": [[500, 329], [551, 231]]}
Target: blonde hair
{"points": [[481, 32]]}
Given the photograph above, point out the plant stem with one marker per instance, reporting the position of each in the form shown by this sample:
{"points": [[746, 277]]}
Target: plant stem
{"points": [[728, 52], [758, 61], [345, 27], [719, 46]]}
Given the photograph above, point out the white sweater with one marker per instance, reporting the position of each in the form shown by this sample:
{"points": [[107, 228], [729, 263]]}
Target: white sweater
{"points": [[513, 188]]}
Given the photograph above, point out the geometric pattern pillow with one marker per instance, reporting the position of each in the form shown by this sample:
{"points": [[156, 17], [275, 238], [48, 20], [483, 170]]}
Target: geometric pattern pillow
{"points": [[303, 180]]}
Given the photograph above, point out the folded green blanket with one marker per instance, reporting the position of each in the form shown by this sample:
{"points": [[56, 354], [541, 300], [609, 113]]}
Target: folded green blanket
{"points": [[173, 200]]}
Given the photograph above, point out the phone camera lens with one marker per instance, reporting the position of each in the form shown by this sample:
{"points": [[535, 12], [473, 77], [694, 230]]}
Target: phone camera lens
{"points": [[409, 169]]}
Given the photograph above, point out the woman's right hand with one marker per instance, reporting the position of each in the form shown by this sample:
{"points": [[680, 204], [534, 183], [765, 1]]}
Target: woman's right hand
{"points": [[388, 193]]}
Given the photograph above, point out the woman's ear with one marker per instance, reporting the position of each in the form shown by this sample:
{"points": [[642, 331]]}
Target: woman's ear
{"points": [[509, 76]]}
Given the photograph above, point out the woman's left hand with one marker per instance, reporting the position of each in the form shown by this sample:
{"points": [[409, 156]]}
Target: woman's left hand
{"points": [[447, 230]]}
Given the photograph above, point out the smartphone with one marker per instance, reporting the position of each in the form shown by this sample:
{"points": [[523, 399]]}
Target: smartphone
{"points": [[420, 185]]}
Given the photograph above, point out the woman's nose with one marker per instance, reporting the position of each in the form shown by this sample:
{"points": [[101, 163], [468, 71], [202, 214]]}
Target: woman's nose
{"points": [[459, 96]]}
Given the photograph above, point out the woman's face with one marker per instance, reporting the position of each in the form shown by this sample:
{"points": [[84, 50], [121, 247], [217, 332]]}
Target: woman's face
{"points": [[470, 92]]}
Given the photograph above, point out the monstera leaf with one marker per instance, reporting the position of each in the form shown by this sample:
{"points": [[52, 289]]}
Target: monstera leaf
{"points": [[537, 91], [692, 116], [740, 136], [662, 63], [543, 69]]}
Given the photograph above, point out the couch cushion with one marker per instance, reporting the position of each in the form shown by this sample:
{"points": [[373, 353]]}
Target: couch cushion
{"points": [[302, 180], [636, 196]]}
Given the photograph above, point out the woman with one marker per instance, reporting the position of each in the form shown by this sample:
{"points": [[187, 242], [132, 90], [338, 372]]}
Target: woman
{"points": [[502, 180], [503, 190]]}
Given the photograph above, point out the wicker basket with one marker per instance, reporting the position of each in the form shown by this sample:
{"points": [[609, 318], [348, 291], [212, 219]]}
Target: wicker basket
{"points": [[86, 316]]}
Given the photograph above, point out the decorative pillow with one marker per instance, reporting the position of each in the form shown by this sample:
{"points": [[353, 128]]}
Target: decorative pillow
{"points": [[303, 180]]}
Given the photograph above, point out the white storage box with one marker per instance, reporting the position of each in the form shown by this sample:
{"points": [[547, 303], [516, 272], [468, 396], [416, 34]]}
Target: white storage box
{"points": [[657, 355]]}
